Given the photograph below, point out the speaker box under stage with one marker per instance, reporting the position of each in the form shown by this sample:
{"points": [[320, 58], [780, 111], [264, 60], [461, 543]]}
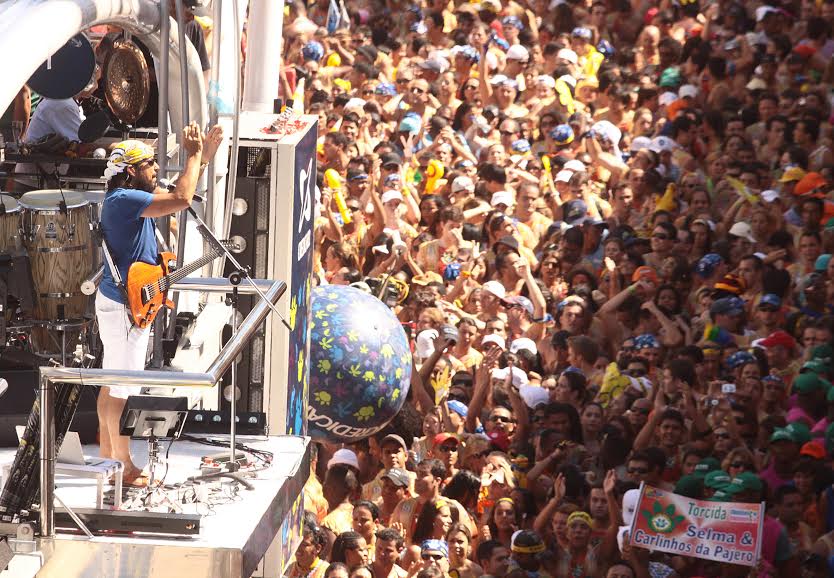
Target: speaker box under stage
{"points": [[17, 403]]}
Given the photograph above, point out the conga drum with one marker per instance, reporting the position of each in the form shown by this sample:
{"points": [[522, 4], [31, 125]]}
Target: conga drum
{"points": [[9, 224], [56, 233]]}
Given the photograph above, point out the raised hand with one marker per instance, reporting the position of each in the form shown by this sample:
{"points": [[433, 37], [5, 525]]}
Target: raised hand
{"points": [[192, 140], [211, 142]]}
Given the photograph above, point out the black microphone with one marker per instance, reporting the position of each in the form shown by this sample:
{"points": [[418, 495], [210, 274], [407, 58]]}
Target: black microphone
{"points": [[168, 184]]}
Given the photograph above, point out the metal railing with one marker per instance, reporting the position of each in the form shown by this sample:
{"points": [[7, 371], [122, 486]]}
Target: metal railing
{"points": [[110, 377]]}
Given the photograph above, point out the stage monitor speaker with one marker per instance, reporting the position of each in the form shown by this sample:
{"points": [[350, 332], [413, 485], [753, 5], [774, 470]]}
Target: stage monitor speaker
{"points": [[272, 221], [250, 230], [16, 405]]}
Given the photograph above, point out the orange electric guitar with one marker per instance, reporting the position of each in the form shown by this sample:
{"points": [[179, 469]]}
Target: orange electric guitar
{"points": [[147, 285]]}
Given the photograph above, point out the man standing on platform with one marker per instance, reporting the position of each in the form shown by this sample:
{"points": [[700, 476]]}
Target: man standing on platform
{"points": [[132, 202]]}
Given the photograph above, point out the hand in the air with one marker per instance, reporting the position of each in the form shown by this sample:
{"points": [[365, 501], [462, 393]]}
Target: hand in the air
{"points": [[211, 142], [192, 140]]}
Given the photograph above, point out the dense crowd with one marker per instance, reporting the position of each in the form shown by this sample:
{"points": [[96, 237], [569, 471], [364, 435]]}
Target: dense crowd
{"points": [[607, 228]]}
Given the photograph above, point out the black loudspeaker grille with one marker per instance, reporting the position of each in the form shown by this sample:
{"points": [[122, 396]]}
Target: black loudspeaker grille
{"points": [[254, 227]]}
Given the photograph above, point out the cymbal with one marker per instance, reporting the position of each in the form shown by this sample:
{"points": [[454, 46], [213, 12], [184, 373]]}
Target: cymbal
{"points": [[126, 81]]}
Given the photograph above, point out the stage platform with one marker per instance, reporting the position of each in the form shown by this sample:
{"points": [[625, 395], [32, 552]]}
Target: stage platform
{"points": [[235, 531]]}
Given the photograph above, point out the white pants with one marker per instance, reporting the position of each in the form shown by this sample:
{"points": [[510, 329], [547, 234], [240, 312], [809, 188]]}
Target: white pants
{"points": [[125, 345]]}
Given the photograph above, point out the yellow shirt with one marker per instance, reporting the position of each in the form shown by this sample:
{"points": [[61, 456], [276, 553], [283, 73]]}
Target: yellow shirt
{"points": [[339, 520]]}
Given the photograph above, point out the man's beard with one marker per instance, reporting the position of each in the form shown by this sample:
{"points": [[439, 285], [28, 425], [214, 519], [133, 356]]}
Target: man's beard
{"points": [[147, 185]]}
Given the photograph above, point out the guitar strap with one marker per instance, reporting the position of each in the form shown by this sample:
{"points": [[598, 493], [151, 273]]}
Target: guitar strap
{"points": [[108, 258]]}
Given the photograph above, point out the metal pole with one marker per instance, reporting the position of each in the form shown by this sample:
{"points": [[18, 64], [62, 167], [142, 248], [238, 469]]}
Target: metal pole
{"points": [[162, 152], [47, 481], [233, 401]]}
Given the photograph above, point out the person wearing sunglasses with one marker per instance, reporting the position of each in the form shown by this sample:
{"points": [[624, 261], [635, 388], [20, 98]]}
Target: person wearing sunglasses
{"points": [[435, 554]]}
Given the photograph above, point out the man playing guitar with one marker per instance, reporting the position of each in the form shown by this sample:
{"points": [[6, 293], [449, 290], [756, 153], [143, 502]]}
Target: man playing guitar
{"points": [[132, 201]]}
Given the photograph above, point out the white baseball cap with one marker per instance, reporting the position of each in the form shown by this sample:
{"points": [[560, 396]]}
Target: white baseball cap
{"points": [[518, 52], [688, 91], [639, 143], [462, 183], [568, 54], [546, 80], [534, 396], [770, 195], [563, 176], [574, 165], [763, 11], [495, 340], [519, 377], [661, 144], [501, 198], [495, 288], [391, 195], [667, 98], [344, 456], [523, 343], [743, 230]]}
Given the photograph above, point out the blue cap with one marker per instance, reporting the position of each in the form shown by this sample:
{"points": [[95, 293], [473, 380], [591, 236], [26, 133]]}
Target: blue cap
{"points": [[646, 341], [572, 369], [562, 134], [410, 123], [312, 51], [574, 212], [707, 264], [469, 52], [727, 306], [740, 358], [821, 263], [457, 407], [582, 32], [605, 48], [521, 145], [513, 21], [436, 546], [386, 89], [770, 299]]}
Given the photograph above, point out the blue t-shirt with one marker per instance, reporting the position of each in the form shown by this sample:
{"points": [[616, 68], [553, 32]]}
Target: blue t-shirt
{"points": [[129, 235]]}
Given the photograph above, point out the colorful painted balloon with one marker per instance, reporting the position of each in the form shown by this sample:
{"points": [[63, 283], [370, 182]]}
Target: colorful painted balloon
{"points": [[360, 365]]}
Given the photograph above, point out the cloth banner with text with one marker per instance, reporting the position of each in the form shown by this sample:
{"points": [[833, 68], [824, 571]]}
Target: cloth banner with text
{"points": [[721, 531]]}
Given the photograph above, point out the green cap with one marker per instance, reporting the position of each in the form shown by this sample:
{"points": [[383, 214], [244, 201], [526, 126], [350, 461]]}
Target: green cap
{"points": [[815, 366], [671, 77], [782, 434], [809, 382], [748, 481], [721, 496], [823, 353], [707, 465], [717, 480], [829, 224], [691, 486], [800, 432]]}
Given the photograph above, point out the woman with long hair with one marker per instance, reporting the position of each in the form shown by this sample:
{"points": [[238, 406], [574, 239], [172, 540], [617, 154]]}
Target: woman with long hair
{"points": [[502, 522], [460, 544]]}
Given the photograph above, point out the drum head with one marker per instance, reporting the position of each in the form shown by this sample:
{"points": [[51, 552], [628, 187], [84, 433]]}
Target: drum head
{"points": [[10, 204], [50, 200]]}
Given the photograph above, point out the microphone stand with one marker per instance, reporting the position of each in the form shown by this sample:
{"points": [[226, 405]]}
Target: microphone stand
{"points": [[237, 274]]}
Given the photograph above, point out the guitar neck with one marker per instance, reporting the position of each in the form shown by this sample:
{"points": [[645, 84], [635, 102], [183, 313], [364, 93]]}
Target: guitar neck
{"points": [[187, 270]]}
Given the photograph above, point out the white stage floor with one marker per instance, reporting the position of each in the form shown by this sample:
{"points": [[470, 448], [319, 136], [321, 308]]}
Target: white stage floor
{"points": [[235, 532]]}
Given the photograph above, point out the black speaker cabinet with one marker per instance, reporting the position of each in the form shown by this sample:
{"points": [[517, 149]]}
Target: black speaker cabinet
{"points": [[17, 402]]}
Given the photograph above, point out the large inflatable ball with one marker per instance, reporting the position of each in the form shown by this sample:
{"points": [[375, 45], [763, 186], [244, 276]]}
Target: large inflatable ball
{"points": [[360, 365]]}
